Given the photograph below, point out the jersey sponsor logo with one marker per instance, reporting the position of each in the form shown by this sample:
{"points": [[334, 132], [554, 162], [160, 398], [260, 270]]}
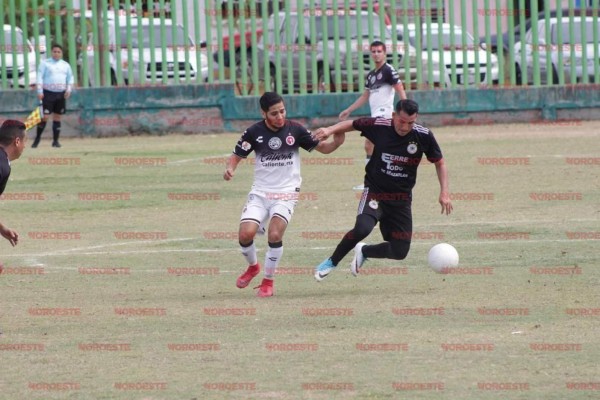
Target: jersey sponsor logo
{"points": [[277, 159], [259, 139], [290, 140], [412, 148], [275, 143], [246, 146], [392, 168]]}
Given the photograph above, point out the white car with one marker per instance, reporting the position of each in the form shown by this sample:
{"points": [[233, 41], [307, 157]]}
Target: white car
{"points": [[453, 54], [311, 61], [18, 57], [47, 38], [146, 58], [569, 53]]}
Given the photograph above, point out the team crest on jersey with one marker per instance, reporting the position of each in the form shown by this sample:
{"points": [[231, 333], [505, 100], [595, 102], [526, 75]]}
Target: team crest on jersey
{"points": [[373, 204], [290, 140], [412, 148], [379, 76], [246, 146], [275, 143]]}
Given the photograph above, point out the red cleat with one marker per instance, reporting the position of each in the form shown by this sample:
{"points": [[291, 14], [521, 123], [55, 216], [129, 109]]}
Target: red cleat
{"points": [[246, 277], [266, 288]]}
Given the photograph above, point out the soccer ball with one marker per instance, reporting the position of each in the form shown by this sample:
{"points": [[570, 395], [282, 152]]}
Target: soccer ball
{"points": [[441, 257]]}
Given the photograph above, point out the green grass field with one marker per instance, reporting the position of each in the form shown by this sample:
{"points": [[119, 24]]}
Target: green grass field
{"points": [[123, 283]]}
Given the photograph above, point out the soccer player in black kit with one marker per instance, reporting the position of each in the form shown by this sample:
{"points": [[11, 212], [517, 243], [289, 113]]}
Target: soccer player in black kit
{"points": [[12, 144], [390, 176], [381, 84], [276, 142]]}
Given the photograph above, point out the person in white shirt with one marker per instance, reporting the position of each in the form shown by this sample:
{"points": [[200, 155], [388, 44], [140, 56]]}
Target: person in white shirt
{"points": [[382, 83], [276, 141], [55, 83]]}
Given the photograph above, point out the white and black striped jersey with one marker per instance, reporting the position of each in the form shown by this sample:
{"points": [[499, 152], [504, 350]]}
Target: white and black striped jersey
{"points": [[392, 168], [277, 165], [380, 84]]}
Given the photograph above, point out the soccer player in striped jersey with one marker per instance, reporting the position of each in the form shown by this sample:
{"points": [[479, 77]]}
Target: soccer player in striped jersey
{"points": [[399, 145], [276, 142]]}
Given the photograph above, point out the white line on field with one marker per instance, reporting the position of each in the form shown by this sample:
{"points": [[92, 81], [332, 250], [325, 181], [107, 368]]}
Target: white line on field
{"points": [[520, 222], [137, 242], [199, 159], [70, 252], [560, 155], [186, 161]]}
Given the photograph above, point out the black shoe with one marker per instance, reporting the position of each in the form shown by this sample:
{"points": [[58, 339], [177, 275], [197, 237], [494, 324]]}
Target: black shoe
{"points": [[35, 144], [56, 144]]}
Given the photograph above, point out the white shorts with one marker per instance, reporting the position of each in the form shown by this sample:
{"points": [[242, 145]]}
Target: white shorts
{"points": [[261, 207]]}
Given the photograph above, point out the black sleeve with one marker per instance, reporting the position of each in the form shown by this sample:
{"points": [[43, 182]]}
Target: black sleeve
{"points": [[390, 76], [432, 150], [244, 146], [305, 140], [366, 127]]}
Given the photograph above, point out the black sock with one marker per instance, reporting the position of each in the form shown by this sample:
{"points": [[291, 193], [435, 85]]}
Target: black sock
{"points": [[55, 130], [40, 129], [394, 250], [362, 228]]}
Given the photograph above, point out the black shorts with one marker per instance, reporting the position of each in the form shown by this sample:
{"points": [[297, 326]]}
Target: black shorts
{"points": [[54, 103], [394, 217]]}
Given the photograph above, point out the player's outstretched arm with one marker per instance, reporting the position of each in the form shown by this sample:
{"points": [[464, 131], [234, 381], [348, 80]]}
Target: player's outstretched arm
{"points": [[10, 235], [232, 164], [340, 127], [362, 99], [331, 146], [442, 173]]}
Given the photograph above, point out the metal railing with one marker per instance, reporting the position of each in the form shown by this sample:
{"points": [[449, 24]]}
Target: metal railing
{"points": [[302, 46]]}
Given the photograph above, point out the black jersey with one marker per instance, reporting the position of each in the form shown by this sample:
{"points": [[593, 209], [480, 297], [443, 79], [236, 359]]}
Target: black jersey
{"points": [[392, 169], [4, 170], [380, 83], [277, 166]]}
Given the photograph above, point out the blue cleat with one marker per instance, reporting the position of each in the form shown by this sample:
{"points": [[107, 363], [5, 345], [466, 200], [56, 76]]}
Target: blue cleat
{"points": [[324, 269]]}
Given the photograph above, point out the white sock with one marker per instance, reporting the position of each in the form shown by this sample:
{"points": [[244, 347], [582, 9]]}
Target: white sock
{"points": [[249, 254], [272, 259]]}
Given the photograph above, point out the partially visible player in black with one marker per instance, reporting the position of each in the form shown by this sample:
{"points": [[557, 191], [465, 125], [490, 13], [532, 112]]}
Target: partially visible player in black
{"points": [[399, 145], [12, 143]]}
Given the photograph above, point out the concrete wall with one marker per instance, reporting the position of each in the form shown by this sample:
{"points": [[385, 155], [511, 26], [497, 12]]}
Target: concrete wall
{"points": [[215, 108]]}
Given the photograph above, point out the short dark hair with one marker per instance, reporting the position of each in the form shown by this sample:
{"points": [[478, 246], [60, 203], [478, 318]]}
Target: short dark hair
{"points": [[268, 99], [378, 43], [410, 107], [11, 129], [57, 45]]}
